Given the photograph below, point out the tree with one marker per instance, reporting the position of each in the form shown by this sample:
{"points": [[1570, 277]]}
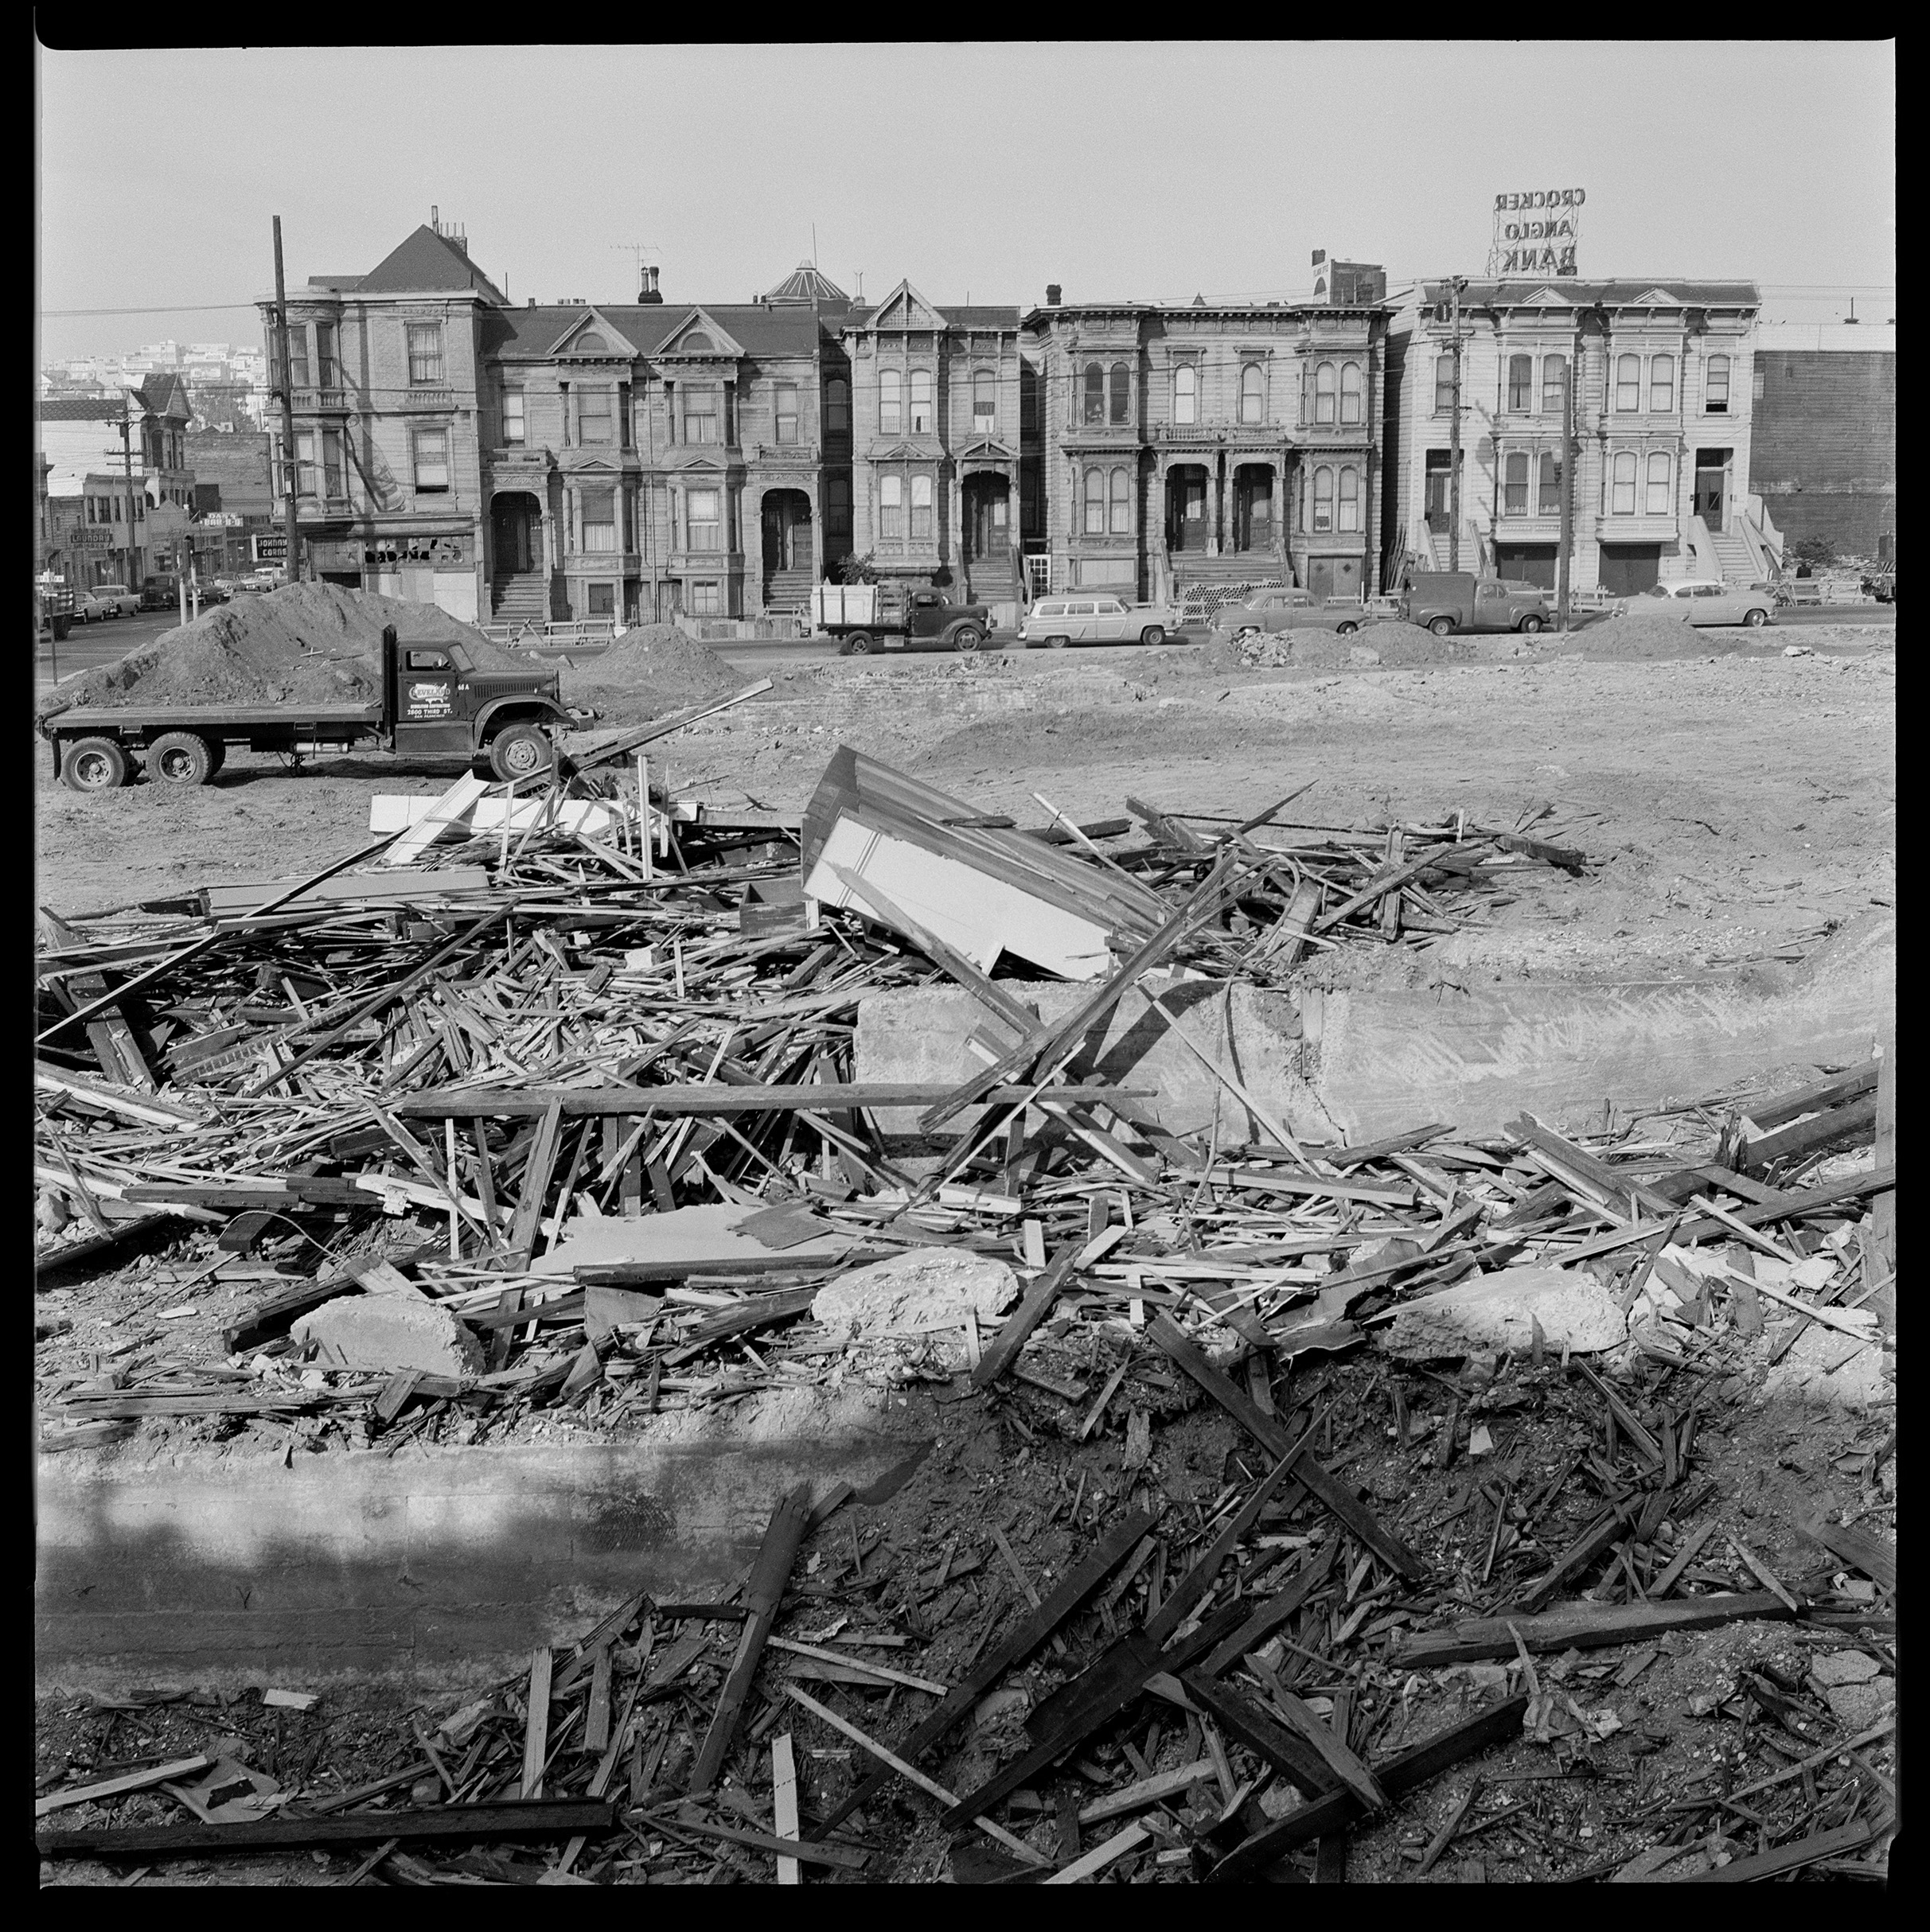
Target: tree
{"points": [[1818, 552], [856, 570]]}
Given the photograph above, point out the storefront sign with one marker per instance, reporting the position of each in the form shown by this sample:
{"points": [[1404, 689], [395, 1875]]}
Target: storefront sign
{"points": [[1535, 232], [270, 548]]}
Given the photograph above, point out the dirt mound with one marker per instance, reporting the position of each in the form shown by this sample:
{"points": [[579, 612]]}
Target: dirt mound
{"points": [[1387, 643], [304, 644], [1640, 635], [651, 669]]}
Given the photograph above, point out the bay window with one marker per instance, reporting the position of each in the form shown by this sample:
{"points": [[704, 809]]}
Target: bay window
{"points": [[1119, 490], [1095, 503], [920, 509], [1350, 392], [593, 416], [425, 353], [431, 455], [891, 402], [1658, 502], [1122, 396], [1323, 499], [1622, 487], [1715, 387], [1350, 498], [1095, 393], [1549, 488], [599, 514], [702, 512], [700, 418], [891, 508], [1324, 393], [1521, 385], [1515, 485], [1553, 368], [1661, 385], [921, 401], [1627, 383]]}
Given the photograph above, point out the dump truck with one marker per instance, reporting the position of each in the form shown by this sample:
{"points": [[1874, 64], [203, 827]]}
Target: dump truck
{"points": [[434, 699], [869, 617]]}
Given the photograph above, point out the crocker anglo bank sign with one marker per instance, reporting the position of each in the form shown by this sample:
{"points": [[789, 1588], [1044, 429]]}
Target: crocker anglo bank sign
{"points": [[1535, 232]]}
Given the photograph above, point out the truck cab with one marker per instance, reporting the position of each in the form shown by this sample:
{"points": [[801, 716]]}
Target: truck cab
{"points": [[864, 617], [1448, 601]]}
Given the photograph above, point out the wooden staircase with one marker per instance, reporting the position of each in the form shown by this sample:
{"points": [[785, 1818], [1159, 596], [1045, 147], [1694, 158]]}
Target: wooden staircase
{"points": [[1733, 560], [788, 592], [522, 598]]}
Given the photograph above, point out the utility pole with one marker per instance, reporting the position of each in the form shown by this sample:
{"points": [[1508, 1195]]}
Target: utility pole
{"points": [[293, 564], [1456, 285], [134, 544], [1565, 476]]}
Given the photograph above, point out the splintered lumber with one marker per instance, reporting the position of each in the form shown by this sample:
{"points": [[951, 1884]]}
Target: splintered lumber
{"points": [[1780, 1108], [502, 1818], [774, 1558], [910, 1774], [114, 1787], [820, 1852], [1335, 1495], [1875, 1558], [1274, 1611], [1018, 1326], [1854, 1120], [1338, 1809], [1295, 1756], [1100, 1856], [1593, 1544], [703, 1101], [1388, 881], [1147, 1792], [1791, 1206], [1194, 1586], [1584, 1626], [536, 1731], [1819, 1845], [784, 1806], [1078, 1585], [1618, 1185]]}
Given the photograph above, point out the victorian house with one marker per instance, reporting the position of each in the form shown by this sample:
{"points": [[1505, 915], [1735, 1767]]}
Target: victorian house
{"points": [[1208, 444], [1661, 381]]}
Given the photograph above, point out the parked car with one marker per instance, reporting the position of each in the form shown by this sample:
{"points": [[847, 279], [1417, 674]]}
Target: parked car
{"points": [[1057, 621], [107, 600], [161, 592], [1285, 609], [1447, 601], [1704, 600]]}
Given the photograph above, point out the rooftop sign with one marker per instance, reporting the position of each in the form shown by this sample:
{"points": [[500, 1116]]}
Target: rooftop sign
{"points": [[1535, 232]]}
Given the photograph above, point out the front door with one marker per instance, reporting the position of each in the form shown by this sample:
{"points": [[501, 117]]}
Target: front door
{"points": [[1437, 492], [1187, 526], [988, 517], [509, 517], [1253, 510], [773, 536], [1711, 471]]}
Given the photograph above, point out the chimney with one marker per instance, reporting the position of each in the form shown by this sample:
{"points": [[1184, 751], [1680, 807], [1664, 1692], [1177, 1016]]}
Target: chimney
{"points": [[1053, 294], [649, 293], [435, 218]]}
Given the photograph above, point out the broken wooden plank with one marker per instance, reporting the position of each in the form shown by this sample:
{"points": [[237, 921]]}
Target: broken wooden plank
{"points": [[784, 1806], [1854, 1120], [819, 1851], [775, 1555], [1017, 1326], [1268, 1616], [502, 1818], [1100, 1856], [1397, 1776], [535, 1729], [1754, 1866], [1860, 1551], [1777, 1109], [1582, 1626], [705, 1100], [1146, 1792], [1788, 1206], [114, 1787], [1294, 1756]]}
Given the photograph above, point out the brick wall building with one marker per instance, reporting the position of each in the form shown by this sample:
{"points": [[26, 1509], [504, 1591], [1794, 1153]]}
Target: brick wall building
{"points": [[1824, 458], [1182, 444], [1661, 385]]}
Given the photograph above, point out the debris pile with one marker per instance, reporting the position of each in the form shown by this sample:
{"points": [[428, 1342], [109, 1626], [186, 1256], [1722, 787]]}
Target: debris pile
{"points": [[649, 670], [1387, 1456]]}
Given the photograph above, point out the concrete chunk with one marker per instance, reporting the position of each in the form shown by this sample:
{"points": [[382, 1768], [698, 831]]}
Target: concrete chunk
{"points": [[1492, 1312], [390, 1332], [925, 1291]]}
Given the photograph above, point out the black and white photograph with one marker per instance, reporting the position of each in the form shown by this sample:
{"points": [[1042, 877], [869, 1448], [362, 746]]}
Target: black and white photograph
{"points": [[963, 962]]}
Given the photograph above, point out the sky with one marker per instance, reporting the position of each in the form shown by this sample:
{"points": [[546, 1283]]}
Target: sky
{"points": [[1145, 169]]}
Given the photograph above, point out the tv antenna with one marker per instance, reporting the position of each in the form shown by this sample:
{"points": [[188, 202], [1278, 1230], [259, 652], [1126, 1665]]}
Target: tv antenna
{"points": [[636, 251]]}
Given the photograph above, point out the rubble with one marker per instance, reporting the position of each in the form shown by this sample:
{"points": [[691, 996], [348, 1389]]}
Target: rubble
{"points": [[581, 1140]]}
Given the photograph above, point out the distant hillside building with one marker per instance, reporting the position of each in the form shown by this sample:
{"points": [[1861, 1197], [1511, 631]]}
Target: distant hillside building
{"points": [[106, 536], [1823, 458]]}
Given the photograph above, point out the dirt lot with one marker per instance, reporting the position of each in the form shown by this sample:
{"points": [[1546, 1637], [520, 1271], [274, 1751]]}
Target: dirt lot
{"points": [[1738, 801]]}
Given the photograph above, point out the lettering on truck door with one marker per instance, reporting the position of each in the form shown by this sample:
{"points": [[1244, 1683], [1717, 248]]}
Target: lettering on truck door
{"points": [[426, 699]]}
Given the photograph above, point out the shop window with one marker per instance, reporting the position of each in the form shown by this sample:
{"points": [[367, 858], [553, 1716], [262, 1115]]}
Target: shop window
{"points": [[1122, 382], [1185, 393], [705, 600], [1627, 383], [1349, 517], [787, 412], [1350, 392], [700, 413], [1095, 503], [1119, 488], [1553, 368], [513, 425], [1661, 385], [599, 514], [891, 508], [1658, 502], [837, 407], [425, 353], [1253, 394], [1622, 489], [1715, 387], [921, 401], [594, 422], [431, 451], [1515, 485], [1095, 393], [603, 600], [1324, 393], [921, 504], [1444, 384], [985, 403], [702, 511], [1323, 499], [891, 402], [1521, 384], [1549, 498]]}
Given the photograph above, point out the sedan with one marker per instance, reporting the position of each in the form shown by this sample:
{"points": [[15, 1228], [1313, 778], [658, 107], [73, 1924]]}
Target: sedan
{"points": [[1285, 609], [1704, 600], [105, 600], [1057, 621]]}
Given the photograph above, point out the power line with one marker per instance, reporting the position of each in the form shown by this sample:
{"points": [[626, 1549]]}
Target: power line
{"points": [[186, 308]]}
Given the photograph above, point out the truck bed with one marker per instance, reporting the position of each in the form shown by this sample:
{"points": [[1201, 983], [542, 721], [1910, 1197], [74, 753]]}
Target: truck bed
{"points": [[235, 718]]}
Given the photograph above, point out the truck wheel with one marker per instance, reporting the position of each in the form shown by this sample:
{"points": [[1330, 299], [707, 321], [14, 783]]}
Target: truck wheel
{"points": [[1154, 634], [1530, 625], [1442, 627], [520, 751], [180, 757], [857, 644], [93, 764], [1756, 619], [1057, 644], [1345, 630], [967, 637], [217, 755]]}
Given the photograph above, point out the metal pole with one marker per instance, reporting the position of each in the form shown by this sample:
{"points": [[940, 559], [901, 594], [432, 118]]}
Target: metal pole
{"points": [[134, 547], [1454, 431], [1565, 477], [293, 564]]}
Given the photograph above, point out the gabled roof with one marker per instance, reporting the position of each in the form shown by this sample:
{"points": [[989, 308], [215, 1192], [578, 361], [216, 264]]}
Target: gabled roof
{"points": [[593, 333], [905, 308], [165, 394], [425, 261], [806, 284], [530, 334], [697, 332], [1621, 294]]}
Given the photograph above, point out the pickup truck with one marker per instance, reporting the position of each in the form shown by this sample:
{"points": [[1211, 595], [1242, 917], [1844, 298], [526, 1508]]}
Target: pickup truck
{"points": [[867, 617], [1446, 601], [433, 699]]}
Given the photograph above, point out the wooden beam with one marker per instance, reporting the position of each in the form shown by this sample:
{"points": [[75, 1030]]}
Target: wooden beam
{"points": [[720, 1098]]}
